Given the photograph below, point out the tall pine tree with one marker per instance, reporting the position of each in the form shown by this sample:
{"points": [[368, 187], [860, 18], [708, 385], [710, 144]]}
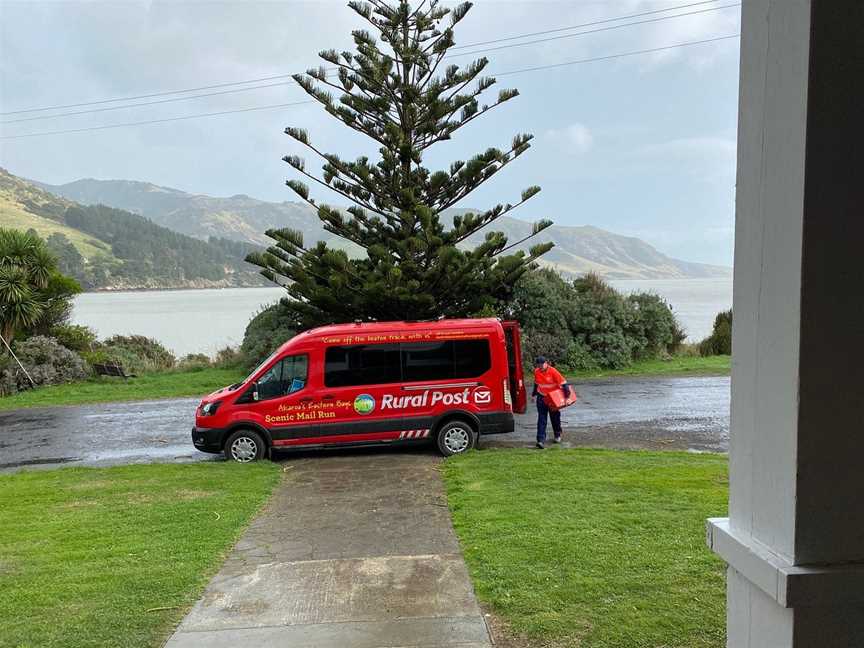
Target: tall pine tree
{"points": [[398, 90]]}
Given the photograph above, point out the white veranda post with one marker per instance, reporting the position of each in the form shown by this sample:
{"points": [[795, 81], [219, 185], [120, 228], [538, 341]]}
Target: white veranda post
{"points": [[794, 539]]}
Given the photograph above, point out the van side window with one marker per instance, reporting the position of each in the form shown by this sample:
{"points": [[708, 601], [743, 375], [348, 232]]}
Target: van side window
{"points": [[445, 360], [471, 358], [285, 377], [362, 364], [427, 361], [380, 364]]}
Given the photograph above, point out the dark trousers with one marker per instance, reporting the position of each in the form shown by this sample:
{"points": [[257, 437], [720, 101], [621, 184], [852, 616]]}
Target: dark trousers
{"points": [[542, 411]]}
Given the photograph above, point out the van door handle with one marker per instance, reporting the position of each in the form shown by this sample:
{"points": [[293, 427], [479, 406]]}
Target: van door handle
{"points": [[328, 397], [306, 399]]}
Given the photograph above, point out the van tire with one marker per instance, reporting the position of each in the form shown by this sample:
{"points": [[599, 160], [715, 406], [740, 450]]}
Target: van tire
{"points": [[244, 446], [455, 437]]}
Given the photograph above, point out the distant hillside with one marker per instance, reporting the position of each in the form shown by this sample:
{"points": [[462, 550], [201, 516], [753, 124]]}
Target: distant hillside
{"points": [[108, 248], [241, 218]]}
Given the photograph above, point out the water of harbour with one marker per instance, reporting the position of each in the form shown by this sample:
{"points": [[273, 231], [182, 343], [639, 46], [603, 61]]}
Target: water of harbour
{"points": [[204, 321]]}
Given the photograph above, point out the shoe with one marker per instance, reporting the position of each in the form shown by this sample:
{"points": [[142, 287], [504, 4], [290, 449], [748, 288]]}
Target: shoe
{"points": [[540, 446], [557, 439]]}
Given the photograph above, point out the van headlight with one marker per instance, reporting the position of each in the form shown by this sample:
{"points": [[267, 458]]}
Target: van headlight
{"points": [[210, 408]]}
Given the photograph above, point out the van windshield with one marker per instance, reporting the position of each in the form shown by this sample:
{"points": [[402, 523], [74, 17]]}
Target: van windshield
{"points": [[269, 359]]}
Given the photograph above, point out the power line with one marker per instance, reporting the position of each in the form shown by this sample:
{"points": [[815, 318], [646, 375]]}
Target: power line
{"points": [[145, 103], [159, 121], [274, 106], [588, 24], [147, 96], [236, 90], [286, 76], [615, 56], [593, 31]]}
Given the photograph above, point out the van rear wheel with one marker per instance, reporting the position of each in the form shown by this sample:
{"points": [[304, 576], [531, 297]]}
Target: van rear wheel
{"points": [[455, 437], [244, 446]]}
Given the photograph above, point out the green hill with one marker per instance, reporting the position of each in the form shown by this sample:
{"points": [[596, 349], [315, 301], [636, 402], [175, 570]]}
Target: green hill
{"points": [[107, 248], [13, 215]]}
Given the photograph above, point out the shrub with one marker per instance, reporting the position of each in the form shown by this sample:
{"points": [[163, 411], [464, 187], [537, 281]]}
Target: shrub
{"points": [[542, 302], [587, 324], [74, 336], [47, 362], [58, 305], [193, 362], [96, 356], [688, 351], [229, 358], [593, 284], [137, 354], [539, 343], [679, 335], [654, 329], [600, 321], [720, 340], [270, 328], [579, 357], [609, 349]]}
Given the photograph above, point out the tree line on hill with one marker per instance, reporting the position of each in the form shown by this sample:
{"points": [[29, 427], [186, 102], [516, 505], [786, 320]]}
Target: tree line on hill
{"points": [[138, 254], [137, 249]]}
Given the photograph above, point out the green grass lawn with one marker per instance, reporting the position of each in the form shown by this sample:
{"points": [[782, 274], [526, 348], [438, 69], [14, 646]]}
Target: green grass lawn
{"points": [[169, 384], [678, 365], [116, 556], [594, 548]]}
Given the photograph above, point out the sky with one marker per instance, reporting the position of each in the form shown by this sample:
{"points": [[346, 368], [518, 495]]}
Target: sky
{"points": [[640, 145]]}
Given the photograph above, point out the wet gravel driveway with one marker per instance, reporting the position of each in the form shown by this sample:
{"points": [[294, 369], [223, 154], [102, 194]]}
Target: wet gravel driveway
{"points": [[653, 413]]}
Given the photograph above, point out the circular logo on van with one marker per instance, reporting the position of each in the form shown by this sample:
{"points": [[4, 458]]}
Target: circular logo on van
{"points": [[364, 404]]}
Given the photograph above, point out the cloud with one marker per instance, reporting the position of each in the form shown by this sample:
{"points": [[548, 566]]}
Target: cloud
{"points": [[575, 138], [688, 148], [632, 32], [708, 158], [702, 23]]}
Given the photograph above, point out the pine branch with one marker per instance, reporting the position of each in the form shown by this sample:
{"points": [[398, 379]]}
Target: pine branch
{"points": [[466, 186], [536, 228], [452, 129], [334, 161], [290, 159], [526, 196]]}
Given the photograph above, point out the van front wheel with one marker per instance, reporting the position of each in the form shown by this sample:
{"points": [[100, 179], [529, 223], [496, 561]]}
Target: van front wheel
{"points": [[244, 446], [455, 437]]}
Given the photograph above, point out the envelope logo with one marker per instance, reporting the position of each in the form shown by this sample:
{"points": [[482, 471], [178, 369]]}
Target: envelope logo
{"points": [[482, 396]]}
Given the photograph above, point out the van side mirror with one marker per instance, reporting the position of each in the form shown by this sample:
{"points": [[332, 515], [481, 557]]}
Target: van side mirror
{"points": [[255, 391]]}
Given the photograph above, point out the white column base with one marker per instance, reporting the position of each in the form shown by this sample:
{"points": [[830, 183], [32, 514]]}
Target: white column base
{"points": [[775, 604], [754, 620]]}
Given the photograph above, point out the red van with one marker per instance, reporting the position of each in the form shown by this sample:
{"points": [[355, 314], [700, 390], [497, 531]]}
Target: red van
{"points": [[446, 382]]}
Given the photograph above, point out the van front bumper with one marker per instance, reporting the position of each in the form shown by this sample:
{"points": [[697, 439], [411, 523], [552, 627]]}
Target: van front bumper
{"points": [[207, 439]]}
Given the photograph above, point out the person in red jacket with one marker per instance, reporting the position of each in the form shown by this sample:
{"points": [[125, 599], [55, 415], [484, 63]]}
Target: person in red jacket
{"points": [[547, 378]]}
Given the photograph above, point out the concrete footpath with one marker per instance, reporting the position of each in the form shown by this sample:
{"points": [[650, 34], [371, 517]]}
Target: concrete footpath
{"points": [[353, 550]]}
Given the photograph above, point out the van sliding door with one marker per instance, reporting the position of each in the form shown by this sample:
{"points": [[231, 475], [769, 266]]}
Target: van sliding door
{"points": [[357, 378]]}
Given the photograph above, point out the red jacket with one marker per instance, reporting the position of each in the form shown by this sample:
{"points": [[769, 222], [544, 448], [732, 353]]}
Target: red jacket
{"points": [[546, 381]]}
